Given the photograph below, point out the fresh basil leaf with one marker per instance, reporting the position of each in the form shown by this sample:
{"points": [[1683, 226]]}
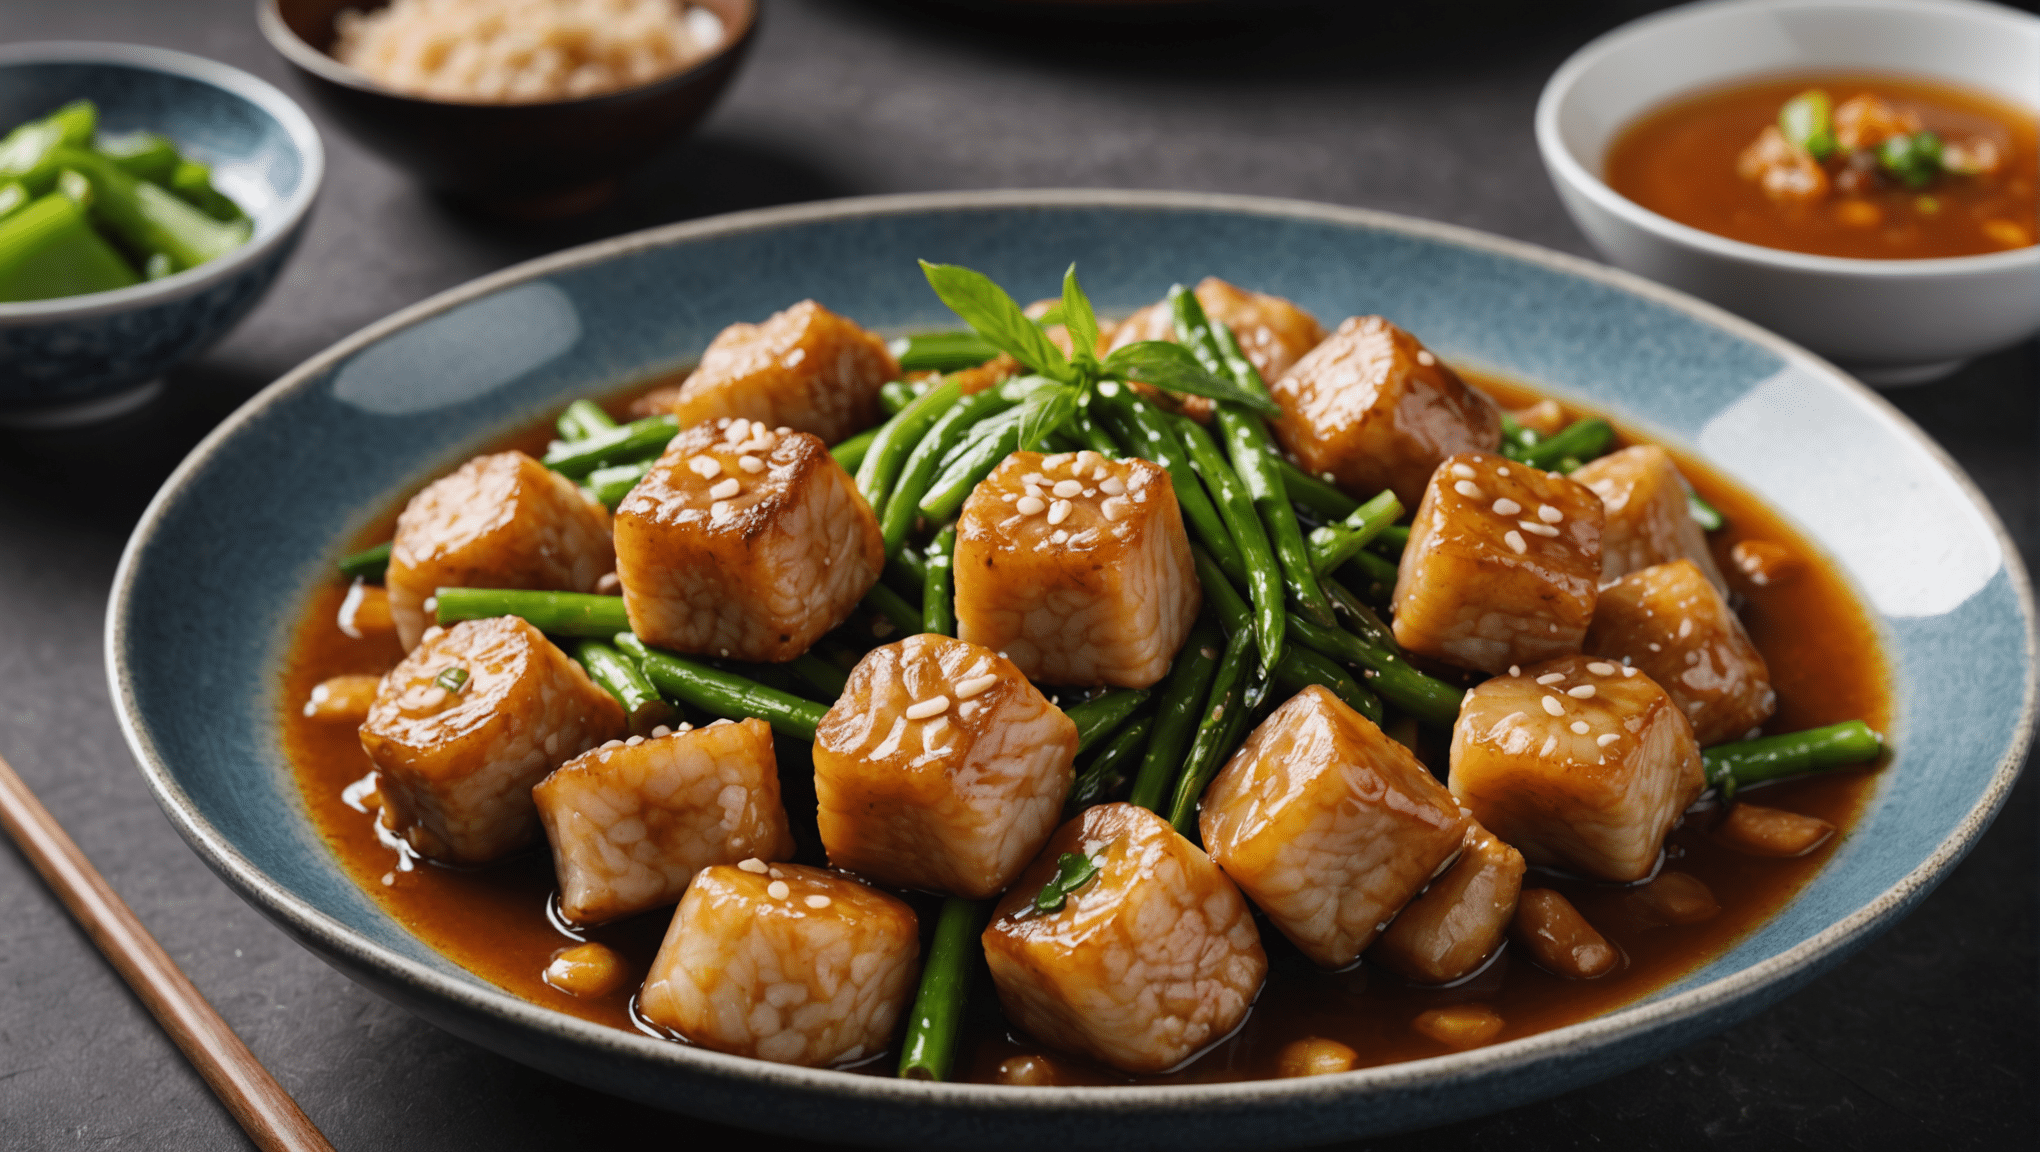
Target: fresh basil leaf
{"points": [[1045, 410], [1073, 870], [1050, 318], [1079, 320], [986, 307], [1171, 366]]}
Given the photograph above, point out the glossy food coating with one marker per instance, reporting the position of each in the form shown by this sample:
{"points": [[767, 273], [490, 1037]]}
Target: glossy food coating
{"points": [[786, 963], [805, 368], [1273, 332], [1153, 960], [1375, 409], [456, 765], [631, 822], [1077, 568], [1669, 621], [941, 768], [1328, 825], [1502, 565], [1450, 931], [1646, 521], [1580, 763], [500, 521], [744, 542]]}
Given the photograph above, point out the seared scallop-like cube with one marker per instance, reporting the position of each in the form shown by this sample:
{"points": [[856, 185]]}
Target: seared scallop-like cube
{"points": [[1372, 407], [467, 723], [1077, 568], [1328, 824], [1582, 764], [1450, 930], [500, 521], [785, 963], [1273, 332], [1502, 565], [1671, 621], [1145, 964], [746, 542], [1647, 521], [941, 768], [805, 368], [631, 822]]}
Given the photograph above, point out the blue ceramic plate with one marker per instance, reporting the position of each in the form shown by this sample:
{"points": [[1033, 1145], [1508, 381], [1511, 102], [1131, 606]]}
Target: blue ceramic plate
{"points": [[211, 584]]}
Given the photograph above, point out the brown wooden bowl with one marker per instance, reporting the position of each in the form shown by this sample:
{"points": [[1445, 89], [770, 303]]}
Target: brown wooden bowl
{"points": [[533, 160]]}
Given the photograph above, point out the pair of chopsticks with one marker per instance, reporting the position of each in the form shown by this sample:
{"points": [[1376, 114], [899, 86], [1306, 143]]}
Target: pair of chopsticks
{"points": [[265, 1111]]}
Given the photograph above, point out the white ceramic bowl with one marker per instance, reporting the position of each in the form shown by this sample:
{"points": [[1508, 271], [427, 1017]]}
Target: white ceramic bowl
{"points": [[1889, 321]]}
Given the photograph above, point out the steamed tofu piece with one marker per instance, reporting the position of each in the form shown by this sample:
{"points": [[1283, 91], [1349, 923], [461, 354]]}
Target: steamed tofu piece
{"points": [[805, 368], [744, 542], [1328, 825], [940, 768], [500, 521], [1151, 961], [1643, 498], [631, 822], [1670, 621], [1273, 332], [1374, 409], [456, 764], [785, 963], [1447, 933], [1501, 567], [1580, 763], [1077, 568]]}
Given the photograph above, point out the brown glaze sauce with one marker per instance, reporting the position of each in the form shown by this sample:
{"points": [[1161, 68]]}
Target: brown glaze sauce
{"points": [[1825, 663]]}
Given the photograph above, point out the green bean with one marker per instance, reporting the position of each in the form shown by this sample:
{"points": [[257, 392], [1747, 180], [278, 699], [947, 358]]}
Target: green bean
{"points": [[610, 485], [938, 593], [1142, 430], [946, 495], [897, 439], [1176, 714], [622, 678], [895, 395], [637, 440], [723, 694], [1092, 436], [1264, 575], [1301, 667], [1223, 708], [1253, 459], [1516, 439], [148, 155], [1333, 544], [1745, 763], [1388, 672], [14, 196], [1100, 714], [1315, 495], [49, 249], [942, 351], [582, 419], [1371, 571], [819, 674], [554, 613], [850, 453], [1704, 514], [1392, 540], [930, 1046], [148, 218], [903, 616], [908, 572], [368, 564], [1581, 440], [192, 182], [1233, 613], [1102, 776], [949, 430]]}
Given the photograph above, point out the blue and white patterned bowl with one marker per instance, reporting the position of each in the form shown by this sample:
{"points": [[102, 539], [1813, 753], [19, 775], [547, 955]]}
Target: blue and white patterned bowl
{"points": [[207, 595], [76, 356]]}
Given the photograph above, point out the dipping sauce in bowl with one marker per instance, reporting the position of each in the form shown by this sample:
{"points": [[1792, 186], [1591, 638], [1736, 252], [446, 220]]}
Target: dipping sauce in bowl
{"points": [[1861, 165]]}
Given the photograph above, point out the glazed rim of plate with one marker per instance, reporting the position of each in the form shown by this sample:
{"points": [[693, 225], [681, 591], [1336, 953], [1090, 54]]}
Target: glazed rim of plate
{"points": [[1551, 141], [1430, 1072], [227, 78]]}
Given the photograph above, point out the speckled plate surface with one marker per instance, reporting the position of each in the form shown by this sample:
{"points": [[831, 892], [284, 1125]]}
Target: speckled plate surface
{"points": [[208, 591]]}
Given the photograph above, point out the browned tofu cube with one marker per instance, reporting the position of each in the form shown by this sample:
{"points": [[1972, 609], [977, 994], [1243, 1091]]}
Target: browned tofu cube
{"points": [[1502, 565], [1077, 568], [785, 963], [1273, 332], [632, 821], [1580, 763], [501, 521], [1643, 497], [1451, 930], [1374, 409], [940, 768], [744, 542], [806, 368], [467, 723], [1149, 962], [1328, 824], [1670, 621]]}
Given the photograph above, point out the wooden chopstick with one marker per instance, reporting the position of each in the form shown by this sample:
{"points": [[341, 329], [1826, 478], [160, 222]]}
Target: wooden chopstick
{"points": [[266, 1112]]}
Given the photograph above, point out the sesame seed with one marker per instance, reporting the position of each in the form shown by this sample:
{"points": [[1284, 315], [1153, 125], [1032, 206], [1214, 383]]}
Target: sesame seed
{"points": [[1548, 514], [1580, 728], [1583, 692], [726, 489], [1113, 508], [1425, 358], [1029, 505], [1607, 738], [752, 865], [1550, 742], [1470, 490], [1685, 629], [1656, 647], [1552, 706], [633, 742], [1463, 471], [705, 467], [739, 429], [750, 464], [775, 873], [1507, 507], [1627, 671], [966, 689], [1112, 486], [1515, 669], [1067, 488], [718, 510], [1034, 478], [933, 706], [778, 890], [430, 606], [1208, 653], [1060, 510], [1534, 527], [1061, 536], [661, 730], [612, 744], [1601, 668], [1502, 471], [881, 627], [1515, 541], [1548, 677], [818, 901]]}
